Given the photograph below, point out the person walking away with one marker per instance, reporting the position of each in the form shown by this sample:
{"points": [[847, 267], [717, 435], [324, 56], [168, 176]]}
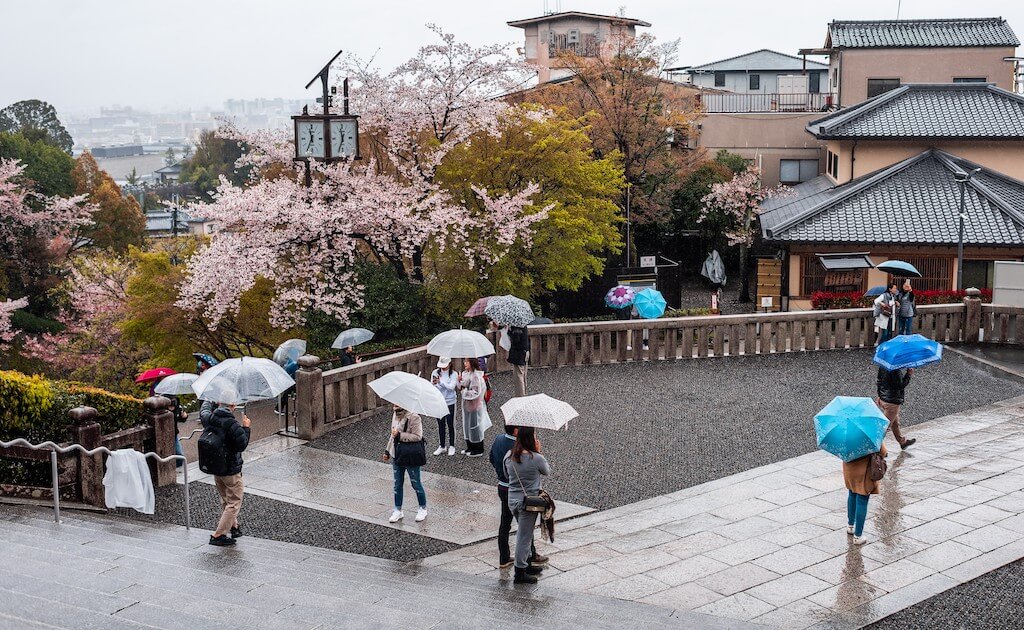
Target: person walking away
{"points": [[891, 392], [446, 380], [501, 447], [857, 475], [518, 356], [406, 426], [886, 311], [219, 418], [907, 310], [525, 468], [475, 419]]}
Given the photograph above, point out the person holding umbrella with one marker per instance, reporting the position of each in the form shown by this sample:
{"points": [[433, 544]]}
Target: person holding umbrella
{"points": [[406, 426], [475, 419], [908, 309], [525, 468], [887, 311], [891, 386], [446, 380], [860, 485], [219, 418]]}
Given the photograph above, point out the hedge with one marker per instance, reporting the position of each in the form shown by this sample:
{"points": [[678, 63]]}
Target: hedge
{"points": [[825, 300]]}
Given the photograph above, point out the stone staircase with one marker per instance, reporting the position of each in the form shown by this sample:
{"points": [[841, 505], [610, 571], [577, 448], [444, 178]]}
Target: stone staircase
{"points": [[95, 571]]}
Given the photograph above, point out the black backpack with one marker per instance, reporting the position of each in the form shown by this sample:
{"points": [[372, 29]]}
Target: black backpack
{"points": [[213, 453]]}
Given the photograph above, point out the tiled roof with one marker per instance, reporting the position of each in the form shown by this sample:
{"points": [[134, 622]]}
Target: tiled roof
{"points": [[915, 201], [929, 110], [763, 59], [921, 33]]}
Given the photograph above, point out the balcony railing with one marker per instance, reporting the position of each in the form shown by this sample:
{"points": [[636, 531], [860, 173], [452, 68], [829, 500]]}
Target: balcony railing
{"points": [[726, 102]]}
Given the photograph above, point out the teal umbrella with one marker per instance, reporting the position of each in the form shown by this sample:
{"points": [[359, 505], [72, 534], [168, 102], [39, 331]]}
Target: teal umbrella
{"points": [[649, 303], [850, 427]]}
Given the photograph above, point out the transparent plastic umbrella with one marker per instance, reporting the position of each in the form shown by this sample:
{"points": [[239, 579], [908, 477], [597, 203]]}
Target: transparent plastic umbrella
{"points": [[352, 337], [460, 343], [177, 385], [412, 393], [540, 410], [290, 350], [251, 378]]}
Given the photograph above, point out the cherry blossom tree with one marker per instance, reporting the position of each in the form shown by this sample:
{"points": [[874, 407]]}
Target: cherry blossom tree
{"points": [[388, 206], [8, 307], [23, 211], [738, 202]]}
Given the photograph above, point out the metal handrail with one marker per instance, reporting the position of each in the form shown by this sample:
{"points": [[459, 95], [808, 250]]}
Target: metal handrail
{"points": [[56, 448]]}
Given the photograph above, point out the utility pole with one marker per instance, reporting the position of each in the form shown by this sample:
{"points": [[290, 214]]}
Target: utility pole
{"points": [[629, 257]]}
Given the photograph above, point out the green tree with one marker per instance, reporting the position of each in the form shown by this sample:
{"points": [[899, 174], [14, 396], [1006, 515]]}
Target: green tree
{"points": [[37, 121], [735, 163], [48, 167], [132, 179], [214, 156], [580, 191], [170, 157], [117, 221]]}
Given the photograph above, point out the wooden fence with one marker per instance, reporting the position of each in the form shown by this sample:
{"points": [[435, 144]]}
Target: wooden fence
{"points": [[334, 398]]}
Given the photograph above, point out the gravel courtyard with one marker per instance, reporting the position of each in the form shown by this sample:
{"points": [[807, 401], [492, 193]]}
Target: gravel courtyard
{"points": [[648, 429]]}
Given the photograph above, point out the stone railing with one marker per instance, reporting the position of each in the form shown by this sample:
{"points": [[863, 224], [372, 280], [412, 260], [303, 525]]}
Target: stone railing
{"points": [[335, 398], [1002, 324]]}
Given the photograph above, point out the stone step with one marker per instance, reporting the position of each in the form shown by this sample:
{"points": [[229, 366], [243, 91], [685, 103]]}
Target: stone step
{"points": [[55, 614]]}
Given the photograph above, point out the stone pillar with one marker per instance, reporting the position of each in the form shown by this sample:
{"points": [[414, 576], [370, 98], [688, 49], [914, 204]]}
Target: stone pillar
{"points": [[157, 414], [309, 398], [86, 431], [972, 318]]}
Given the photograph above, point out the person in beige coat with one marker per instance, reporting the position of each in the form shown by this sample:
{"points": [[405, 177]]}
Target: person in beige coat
{"points": [[406, 426], [857, 475]]}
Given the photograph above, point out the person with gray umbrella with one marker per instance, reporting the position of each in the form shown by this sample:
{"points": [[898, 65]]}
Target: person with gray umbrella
{"points": [[220, 453]]}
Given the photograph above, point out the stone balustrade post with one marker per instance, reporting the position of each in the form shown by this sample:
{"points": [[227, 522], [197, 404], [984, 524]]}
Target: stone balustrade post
{"points": [[158, 414], [972, 318], [309, 398], [86, 431]]}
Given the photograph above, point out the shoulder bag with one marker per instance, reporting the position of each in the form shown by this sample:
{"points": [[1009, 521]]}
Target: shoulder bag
{"points": [[877, 466], [533, 503], [410, 454]]}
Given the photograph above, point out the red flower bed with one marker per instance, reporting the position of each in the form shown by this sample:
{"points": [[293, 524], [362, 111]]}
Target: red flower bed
{"points": [[826, 300]]}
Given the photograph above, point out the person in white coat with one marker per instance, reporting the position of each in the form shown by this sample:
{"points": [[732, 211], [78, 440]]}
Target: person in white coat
{"points": [[475, 419], [446, 380]]}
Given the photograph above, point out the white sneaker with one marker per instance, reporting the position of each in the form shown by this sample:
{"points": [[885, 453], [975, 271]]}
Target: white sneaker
{"points": [[451, 451], [849, 529], [440, 449], [421, 514], [396, 516], [860, 540]]}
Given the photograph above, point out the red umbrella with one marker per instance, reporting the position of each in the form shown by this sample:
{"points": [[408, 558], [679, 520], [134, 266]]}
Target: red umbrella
{"points": [[478, 307], [153, 374]]}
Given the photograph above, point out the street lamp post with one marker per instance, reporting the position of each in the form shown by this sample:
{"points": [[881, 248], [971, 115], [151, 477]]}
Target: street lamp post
{"points": [[629, 258], [327, 137], [962, 178]]}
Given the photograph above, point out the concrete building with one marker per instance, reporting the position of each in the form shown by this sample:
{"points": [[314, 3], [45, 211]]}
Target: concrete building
{"points": [[867, 58], [584, 34], [775, 81]]}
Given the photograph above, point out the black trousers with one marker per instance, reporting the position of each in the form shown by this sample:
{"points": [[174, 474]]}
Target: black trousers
{"points": [[448, 421], [505, 528]]}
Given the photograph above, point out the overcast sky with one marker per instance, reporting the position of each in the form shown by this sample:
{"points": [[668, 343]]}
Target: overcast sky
{"points": [[81, 54]]}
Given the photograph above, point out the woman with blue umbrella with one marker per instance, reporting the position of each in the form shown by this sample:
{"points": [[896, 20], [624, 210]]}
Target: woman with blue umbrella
{"points": [[896, 360]]}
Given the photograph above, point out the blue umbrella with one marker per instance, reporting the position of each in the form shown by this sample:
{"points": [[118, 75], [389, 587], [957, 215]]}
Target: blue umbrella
{"points": [[899, 268], [907, 351], [202, 358], [850, 427], [649, 303], [875, 291]]}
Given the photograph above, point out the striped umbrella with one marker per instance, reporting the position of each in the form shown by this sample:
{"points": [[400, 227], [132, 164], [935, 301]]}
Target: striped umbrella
{"points": [[478, 307], [510, 311]]}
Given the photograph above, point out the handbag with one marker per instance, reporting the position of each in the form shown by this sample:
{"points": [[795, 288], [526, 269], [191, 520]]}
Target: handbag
{"points": [[535, 503], [877, 466], [410, 454]]}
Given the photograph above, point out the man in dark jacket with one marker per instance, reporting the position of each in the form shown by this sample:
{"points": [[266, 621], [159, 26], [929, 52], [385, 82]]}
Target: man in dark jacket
{"points": [[502, 445], [891, 386], [235, 435], [517, 356]]}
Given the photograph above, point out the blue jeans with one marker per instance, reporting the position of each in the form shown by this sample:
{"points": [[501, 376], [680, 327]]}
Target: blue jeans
{"points": [[857, 511], [906, 325], [178, 451], [414, 479], [886, 334]]}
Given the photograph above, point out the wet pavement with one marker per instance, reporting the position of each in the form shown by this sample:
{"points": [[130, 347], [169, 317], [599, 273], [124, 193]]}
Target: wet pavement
{"points": [[769, 545]]}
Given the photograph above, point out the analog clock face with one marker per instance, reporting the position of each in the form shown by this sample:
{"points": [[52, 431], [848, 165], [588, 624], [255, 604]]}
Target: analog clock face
{"points": [[343, 138], [310, 138]]}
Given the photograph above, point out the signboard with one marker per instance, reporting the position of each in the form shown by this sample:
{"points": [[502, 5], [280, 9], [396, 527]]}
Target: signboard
{"points": [[766, 302], [1008, 283], [648, 261]]}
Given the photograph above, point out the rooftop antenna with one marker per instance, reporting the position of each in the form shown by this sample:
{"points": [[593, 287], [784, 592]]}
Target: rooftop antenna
{"points": [[622, 11], [899, 4]]}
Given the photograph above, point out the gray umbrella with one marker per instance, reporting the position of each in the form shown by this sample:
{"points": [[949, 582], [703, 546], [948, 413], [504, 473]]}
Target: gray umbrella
{"points": [[352, 337], [510, 311]]}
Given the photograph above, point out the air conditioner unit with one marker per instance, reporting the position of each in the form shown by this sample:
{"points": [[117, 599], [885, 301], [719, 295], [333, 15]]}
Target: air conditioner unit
{"points": [[573, 37]]}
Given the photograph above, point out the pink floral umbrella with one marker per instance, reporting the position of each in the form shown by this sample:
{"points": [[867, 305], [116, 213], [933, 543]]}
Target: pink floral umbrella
{"points": [[620, 297]]}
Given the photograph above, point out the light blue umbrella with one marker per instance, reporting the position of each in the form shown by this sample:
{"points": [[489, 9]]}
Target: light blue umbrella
{"points": [[850, 427], [899, 268], [649, 303], [875, 291], [907, 351]]}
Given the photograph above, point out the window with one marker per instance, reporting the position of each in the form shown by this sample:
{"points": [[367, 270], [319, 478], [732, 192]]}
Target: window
{"points": [[719, 79], [814, 84], [970, 80], [832, 167], [755, 82], [812, 275], [881, 86], [978, 273], [796, 171], [936, 272]]}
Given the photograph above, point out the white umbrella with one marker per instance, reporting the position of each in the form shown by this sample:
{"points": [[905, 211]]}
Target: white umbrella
{"points": [[540, 410], [412, 393], [290, 350], [460, 343], [251, 378], [177, 384], [352, 337]]}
